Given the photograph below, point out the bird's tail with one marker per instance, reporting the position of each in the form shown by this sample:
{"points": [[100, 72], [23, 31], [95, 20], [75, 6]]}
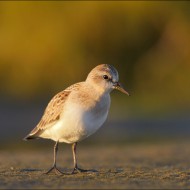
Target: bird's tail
{"points": [[29, 137], [34, 134]]}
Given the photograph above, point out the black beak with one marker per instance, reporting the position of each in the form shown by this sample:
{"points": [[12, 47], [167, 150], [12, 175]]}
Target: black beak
{"points": [[119, 87]]}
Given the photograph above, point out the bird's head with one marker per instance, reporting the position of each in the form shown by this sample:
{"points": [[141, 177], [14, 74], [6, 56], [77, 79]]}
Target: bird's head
{"points": [[105, 78]]}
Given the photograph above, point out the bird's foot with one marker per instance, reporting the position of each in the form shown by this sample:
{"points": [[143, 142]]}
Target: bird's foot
{"points": [[78, 170], [57, 171]]}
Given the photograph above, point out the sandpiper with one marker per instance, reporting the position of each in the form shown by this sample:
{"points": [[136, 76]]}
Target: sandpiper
{"points": [[78, 111]]}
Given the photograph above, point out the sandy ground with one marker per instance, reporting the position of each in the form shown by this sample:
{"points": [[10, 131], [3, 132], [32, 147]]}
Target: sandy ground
{"points": [[149, 166]]}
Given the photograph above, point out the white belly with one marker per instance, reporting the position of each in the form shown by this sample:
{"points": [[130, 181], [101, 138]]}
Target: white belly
{"points": [[77, 123]]}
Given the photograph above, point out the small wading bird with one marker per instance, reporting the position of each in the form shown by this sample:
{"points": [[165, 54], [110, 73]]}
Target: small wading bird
{"points": [[78, 111]]}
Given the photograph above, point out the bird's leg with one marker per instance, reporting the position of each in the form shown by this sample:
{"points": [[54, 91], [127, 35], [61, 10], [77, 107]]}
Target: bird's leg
{"points": [[58, 172], [74, 146]]}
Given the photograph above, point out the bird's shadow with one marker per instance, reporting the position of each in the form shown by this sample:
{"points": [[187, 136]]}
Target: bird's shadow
{"points": [[86, 171], [91, 170]]}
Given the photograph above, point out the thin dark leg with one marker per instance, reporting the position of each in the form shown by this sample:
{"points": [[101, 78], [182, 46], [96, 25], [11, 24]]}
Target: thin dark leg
{"points": [[74, 147], [54, 161]]}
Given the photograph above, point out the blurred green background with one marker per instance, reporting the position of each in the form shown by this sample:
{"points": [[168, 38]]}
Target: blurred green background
{"points": [[46, 46]]}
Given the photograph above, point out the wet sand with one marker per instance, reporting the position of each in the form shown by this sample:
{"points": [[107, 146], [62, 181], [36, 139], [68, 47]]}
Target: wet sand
{"points": [[148, 166]]}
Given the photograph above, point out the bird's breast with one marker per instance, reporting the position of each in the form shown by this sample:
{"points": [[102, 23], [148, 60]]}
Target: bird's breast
{"points": [[80, 121], [96, 116]]}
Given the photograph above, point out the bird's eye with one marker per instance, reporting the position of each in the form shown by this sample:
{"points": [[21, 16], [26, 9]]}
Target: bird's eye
{"points": [[105, 77]]}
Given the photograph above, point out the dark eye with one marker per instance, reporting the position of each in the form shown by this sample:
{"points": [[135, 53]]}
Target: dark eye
{"points": [[105, 77]]}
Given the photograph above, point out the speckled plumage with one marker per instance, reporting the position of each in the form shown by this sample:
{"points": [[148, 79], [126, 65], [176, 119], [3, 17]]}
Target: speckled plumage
{"points": [[79, 110]]}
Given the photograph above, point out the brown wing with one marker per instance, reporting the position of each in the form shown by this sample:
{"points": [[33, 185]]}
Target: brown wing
{"points": [[51, 114], [53, 110], [55, 107]]}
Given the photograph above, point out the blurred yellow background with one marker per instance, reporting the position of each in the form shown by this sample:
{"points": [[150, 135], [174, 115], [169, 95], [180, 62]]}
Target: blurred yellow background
{"points": [[46, 46]]}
